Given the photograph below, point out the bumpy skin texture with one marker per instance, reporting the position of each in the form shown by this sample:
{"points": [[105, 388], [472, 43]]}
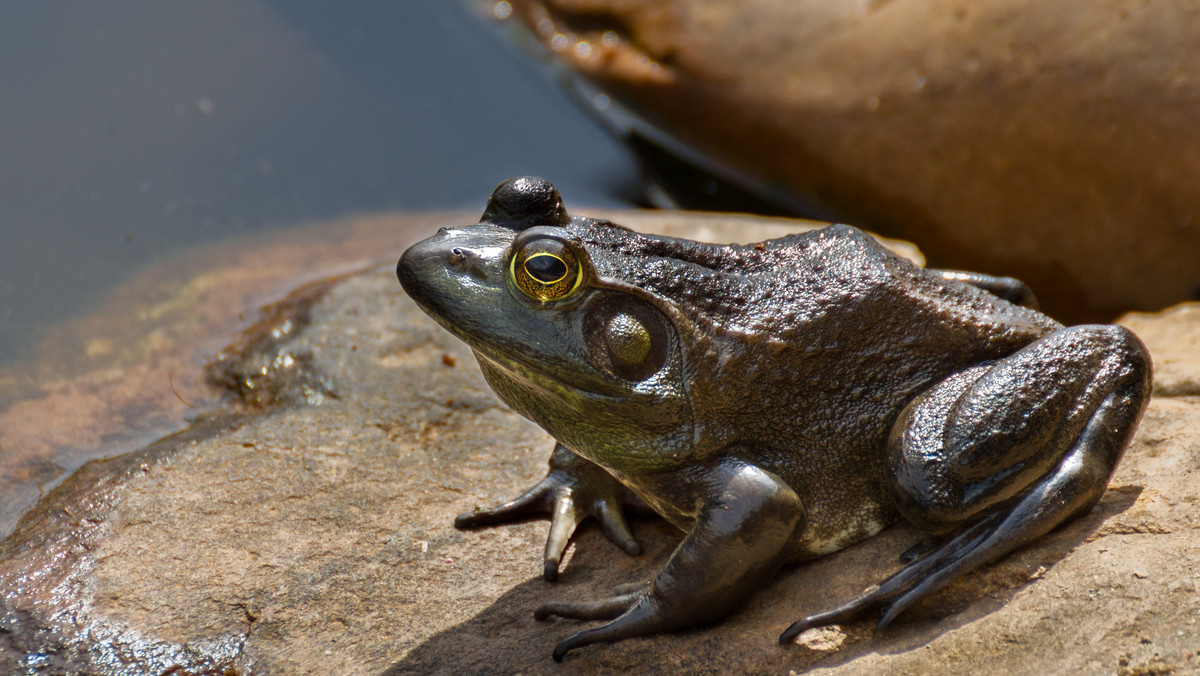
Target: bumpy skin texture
{"points": [[776, 401]]}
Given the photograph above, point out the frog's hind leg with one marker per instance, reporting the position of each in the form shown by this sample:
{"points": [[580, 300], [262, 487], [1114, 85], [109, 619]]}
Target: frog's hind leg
{"points": [[1005, 452]]}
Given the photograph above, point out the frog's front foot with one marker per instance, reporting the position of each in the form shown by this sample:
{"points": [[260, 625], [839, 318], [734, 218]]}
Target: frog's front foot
{"points": [[741, 537], [573, 490], [1002, 453]]}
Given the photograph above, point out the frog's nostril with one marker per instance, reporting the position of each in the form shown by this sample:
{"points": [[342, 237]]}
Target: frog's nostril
{"points": [[456, 256]]}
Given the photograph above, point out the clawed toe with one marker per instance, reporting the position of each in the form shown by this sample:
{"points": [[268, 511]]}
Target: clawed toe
{"points": [[604, 609], [572, 491]]}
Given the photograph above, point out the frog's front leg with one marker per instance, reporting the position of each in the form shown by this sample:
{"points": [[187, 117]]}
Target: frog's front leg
{"points": [[1004, 452], [741, 536], [573, 490]]}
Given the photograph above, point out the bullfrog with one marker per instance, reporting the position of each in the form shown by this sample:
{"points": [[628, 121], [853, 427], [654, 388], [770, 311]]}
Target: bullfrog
{"points": [[775, 402]]}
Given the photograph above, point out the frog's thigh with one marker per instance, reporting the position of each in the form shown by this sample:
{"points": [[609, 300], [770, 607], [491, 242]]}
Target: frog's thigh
{"points": [[990, 434]]}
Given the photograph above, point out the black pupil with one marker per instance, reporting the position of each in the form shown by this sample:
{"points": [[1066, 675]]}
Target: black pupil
{"points": [[546, 268]]}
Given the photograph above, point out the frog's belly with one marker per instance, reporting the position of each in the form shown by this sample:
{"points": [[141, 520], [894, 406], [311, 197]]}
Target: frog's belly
{"points": [[843, 487], [829, 527]]}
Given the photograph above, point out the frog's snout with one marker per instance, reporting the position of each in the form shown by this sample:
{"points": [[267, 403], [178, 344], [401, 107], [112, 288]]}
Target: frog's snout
{"points": [[443, 268], [406, 269], [423, 264]]}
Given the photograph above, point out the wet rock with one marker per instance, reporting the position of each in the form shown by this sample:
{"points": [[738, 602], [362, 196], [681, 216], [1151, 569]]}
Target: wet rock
{"points": [[1054, 142], [130, 373], [316, 537]]}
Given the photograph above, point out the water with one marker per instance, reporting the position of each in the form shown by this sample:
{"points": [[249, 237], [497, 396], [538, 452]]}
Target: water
{"points": [[132, 130]]}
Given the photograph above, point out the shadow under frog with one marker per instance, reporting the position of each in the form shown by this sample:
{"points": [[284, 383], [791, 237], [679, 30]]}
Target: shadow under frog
{"points": [[776, 402], [504, 638]]}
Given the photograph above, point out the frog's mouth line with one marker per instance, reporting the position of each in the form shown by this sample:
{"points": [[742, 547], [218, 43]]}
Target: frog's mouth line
{"points": [[519, 368], [538, 379]]}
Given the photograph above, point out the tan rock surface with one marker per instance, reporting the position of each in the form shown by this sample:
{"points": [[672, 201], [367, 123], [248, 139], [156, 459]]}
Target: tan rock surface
{"points": [[131, 372], [1052, 141], [1173, 337], [318, 539]]}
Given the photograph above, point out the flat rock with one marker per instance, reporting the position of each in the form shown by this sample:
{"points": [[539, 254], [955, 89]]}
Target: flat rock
{"points": [[130, 373], [1052, 141], [1173, 337], [315, 536]]}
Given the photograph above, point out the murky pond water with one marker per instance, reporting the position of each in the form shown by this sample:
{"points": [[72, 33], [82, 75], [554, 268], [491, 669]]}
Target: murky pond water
{"points": [[130, 131], [165, 167]]}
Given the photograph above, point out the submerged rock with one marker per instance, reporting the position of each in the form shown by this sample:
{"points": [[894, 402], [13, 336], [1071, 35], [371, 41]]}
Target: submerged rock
{"points": [[315, 536]]}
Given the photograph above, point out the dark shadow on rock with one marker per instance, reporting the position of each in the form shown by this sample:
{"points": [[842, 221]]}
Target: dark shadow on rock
{"points": [[505, 638]]}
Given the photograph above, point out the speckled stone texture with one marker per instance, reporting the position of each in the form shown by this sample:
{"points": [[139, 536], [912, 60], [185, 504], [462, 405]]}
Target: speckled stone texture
{"points": [[315, 537]]}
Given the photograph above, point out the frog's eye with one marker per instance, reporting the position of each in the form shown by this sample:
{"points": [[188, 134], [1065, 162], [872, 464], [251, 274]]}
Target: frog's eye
{"points": [[545, 270]]}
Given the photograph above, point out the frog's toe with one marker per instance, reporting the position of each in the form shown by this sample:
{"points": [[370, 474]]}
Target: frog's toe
{"points": [[550, 496], [566, 518], [612, 520], [569, 511], [573, 490], [635, 615], [604, 609], [578, 640], [531, 504], [930, 572], [843, 613]]}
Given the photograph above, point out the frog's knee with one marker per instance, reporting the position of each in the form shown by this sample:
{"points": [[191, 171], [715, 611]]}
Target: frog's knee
{"points": [[1110, 362], [1126, 350], [1111, 342], [1121, 386]]}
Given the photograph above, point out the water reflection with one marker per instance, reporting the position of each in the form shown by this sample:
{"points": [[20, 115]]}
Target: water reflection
{"points": [[132, 130]]}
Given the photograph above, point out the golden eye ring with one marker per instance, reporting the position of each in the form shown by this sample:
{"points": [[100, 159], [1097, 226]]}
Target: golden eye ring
{"points": [[545, 270]]}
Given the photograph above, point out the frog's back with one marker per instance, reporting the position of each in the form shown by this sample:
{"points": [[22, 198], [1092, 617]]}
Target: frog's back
{"points": [[841, 276], [783, 289], [810, 345]]}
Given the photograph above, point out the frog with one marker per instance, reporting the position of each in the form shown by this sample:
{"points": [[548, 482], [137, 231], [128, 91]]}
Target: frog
{"points": [[775, 402]]}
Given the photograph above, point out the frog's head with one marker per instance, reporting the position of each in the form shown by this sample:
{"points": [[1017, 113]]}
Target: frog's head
{"points": [[592, 358]]}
